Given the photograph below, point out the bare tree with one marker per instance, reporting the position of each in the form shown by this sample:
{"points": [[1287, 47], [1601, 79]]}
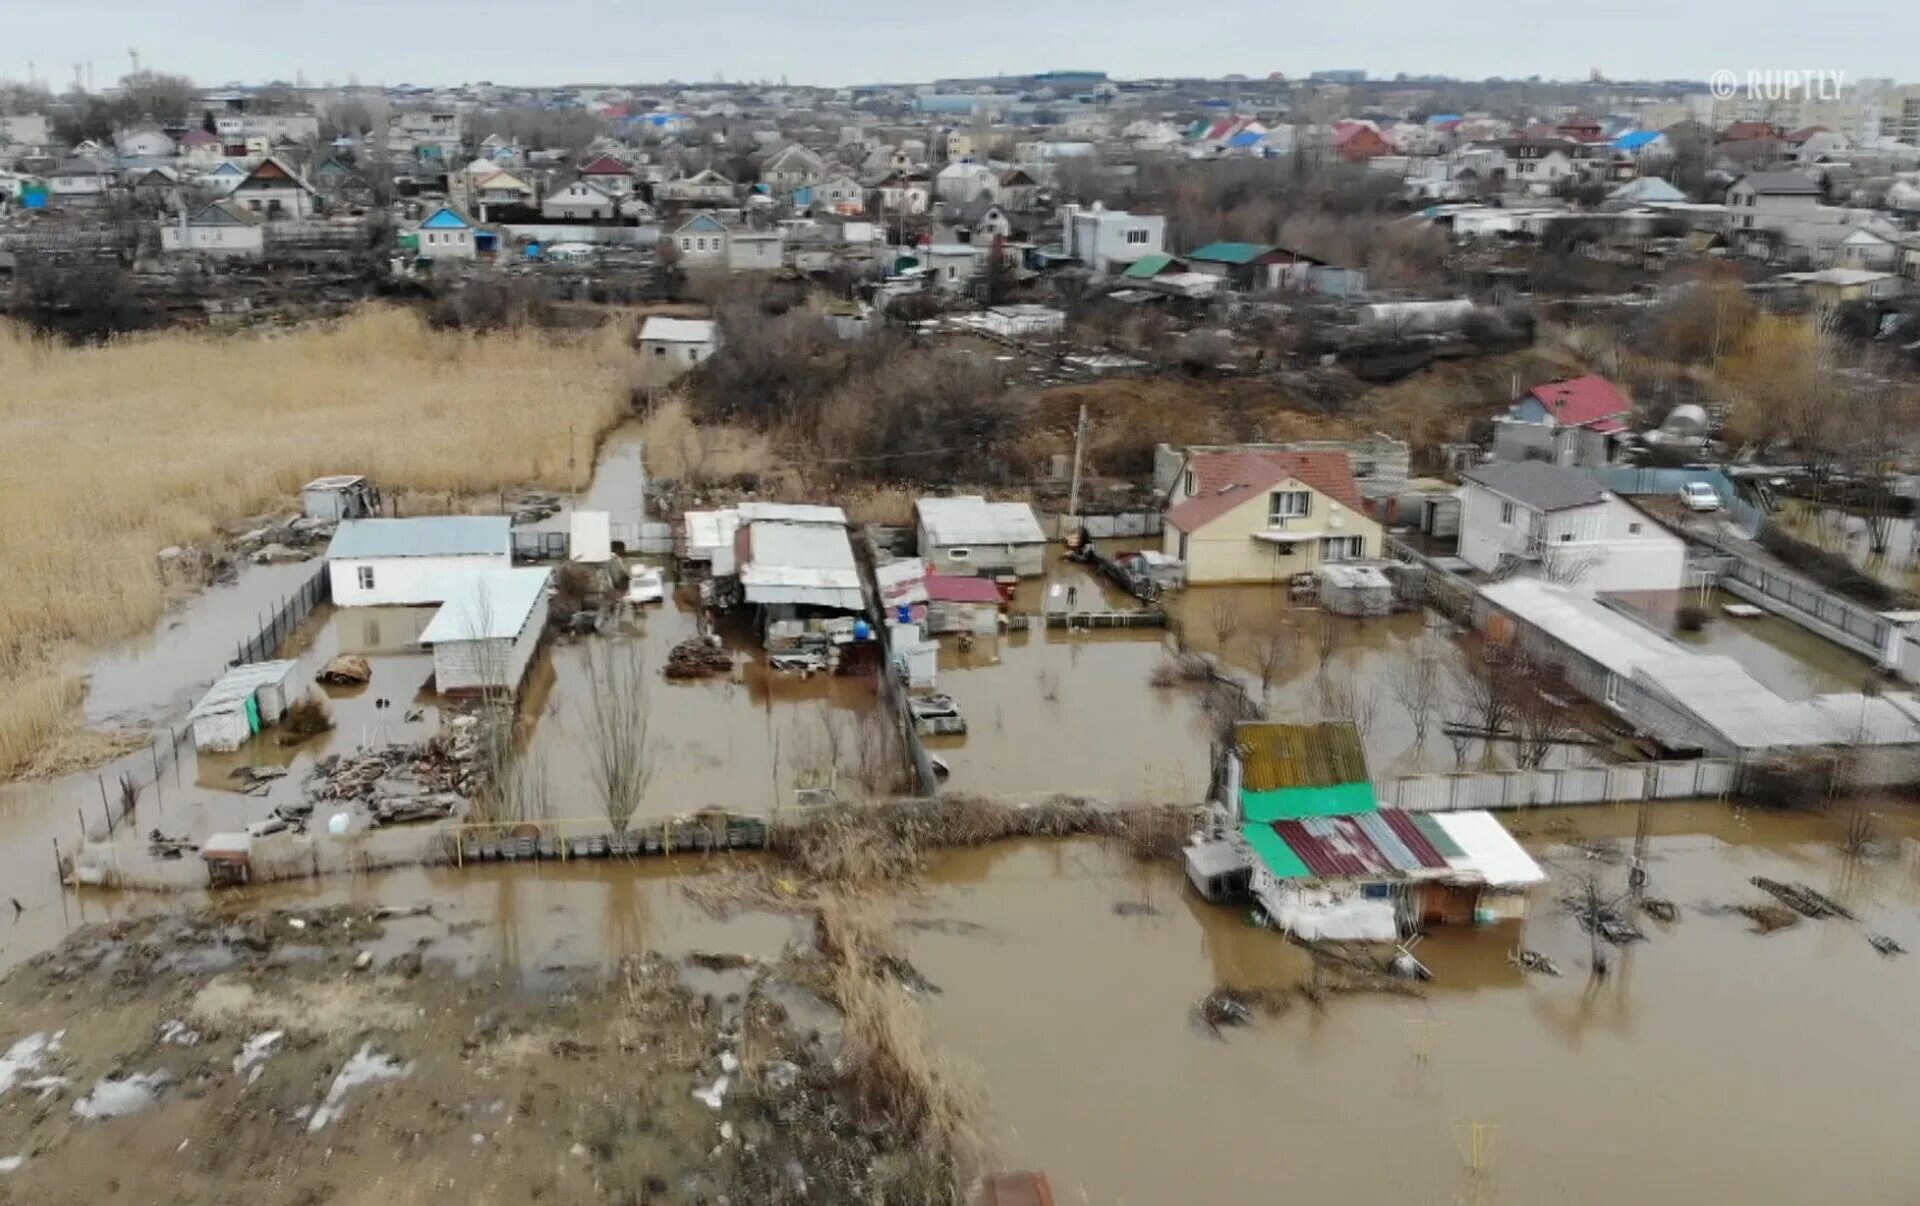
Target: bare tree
{"points": [[621, 757], [1326, 641], [1482, 692], [1223, 615], [1344, 699], [1537, 697], [1416, 682], [1274, 651]]}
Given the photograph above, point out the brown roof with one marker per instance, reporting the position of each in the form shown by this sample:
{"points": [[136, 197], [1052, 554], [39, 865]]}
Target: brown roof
{"points": [[1224, 480], [1274, 756]]}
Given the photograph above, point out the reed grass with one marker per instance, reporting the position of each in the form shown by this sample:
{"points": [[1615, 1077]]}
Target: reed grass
{"points": [[110, 454]]}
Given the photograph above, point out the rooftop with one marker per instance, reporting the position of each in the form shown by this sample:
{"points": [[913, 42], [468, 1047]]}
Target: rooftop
{"points": [[1224, 480], [494, 604], [424, 536], [677, 330], [971, 519], [237, 685], [1538, 485]]}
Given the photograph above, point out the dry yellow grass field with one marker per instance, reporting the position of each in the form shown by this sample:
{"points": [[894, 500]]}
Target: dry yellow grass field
{"points": [[109, 454]]}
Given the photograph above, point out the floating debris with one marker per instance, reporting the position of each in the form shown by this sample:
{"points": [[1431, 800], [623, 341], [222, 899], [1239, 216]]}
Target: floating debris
{"points": [[1802, 899], [1605, 918], [1237, 1006], [1768, 918], [1533, 961], [1135, 908], [696, 657], [1659, 908], [1885, 945], [11, 1163], [713, 1095], [365, 1068], [175, 1033]]}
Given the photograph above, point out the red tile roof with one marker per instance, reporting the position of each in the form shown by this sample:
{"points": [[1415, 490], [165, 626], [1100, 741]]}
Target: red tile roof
{"points": [[951, 588], [1583, 402], [1224, 480]]}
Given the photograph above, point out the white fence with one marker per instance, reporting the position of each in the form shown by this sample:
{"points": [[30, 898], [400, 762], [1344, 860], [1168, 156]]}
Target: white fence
{"points": [[1624, 783]]}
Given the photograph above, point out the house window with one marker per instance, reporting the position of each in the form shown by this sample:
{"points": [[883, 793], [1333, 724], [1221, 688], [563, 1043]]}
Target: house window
{"points": [[366, 577], [1137, 238], [952, 272], [1183, 546], [1283, 505], [959, 554], [686, 244], [1342, 548], [693, 355], [1190, 483], [660, 351], [1506, 514], [1633, 529]]}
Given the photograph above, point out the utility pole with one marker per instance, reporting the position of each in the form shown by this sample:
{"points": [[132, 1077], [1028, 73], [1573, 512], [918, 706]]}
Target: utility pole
{"points": [[1079, 447]]}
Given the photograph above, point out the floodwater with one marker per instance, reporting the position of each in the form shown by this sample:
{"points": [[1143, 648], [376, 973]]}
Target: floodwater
{"points": [[1774, 1068], [1786, 658], [1851, 536]]}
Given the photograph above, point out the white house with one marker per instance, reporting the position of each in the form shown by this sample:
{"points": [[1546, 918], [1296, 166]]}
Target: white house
{"points": [[704, 188], [486, 632], [952, 266], [79, 179], [240, 703], [147, 143], [964, 182], [221, 230], [372, 562], [1529, 517], [447, 234], [582, 199], [1867, 248], [609, 175], [790, 167], [275, 192], [755, 250], [968, 535], [1771, 200], [1109, 240], [672, 346]]}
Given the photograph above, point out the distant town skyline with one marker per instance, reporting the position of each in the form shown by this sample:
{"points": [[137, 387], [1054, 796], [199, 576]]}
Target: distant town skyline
{"points": [[439, 42]]}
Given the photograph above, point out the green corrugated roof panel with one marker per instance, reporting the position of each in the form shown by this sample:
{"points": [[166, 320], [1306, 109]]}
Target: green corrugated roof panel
{"points": [[1429, 827], [1293, 803], [1273, 850], [1148, 266], [1230, 253]]}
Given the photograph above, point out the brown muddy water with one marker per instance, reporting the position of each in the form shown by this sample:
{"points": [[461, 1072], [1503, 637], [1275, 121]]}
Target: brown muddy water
{"points": [[1786, 658], [1850, 536]]}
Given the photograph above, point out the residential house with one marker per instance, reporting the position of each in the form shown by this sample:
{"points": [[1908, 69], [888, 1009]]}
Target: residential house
{"points": [[275, 192], [1833, 286], [614, 178], [789, 167], [486, 632], [702, 242], [448, 234], [1359, 141], [967, 535], [223, 177], [982, 221], [706, 241], [903, 194], [1643, 146], [380, 562], [146, 142], [951, 267], [156, 187], [888, 161], [1867, 248], [79, 180], [839, 194], [1538, 166], [1017, 190], [672, 346], [199, 147], [1771, 200], [1814, 144], [793, 561], [1109, 240], [965, 181], [501, 189], [1559, 524], [706, 187], [1568, 422], [219, 230], [341, 185], [580, 200], [1266, 516]]}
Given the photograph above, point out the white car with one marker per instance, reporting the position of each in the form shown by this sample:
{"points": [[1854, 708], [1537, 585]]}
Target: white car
{"points": [[646, 585], [1699, 496]]}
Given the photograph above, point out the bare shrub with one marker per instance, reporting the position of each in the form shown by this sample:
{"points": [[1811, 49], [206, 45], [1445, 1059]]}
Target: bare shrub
{"points": [[308, 716]]}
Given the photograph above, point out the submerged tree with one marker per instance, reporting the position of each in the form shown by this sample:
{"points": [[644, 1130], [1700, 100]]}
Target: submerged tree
{"points": [[621, 758]]}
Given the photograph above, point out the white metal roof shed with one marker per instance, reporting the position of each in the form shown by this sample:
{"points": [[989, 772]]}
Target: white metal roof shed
{"points": [[970, 519], [232, 689], [423, 536], [804, 563], [490, 605], [658, 328], [1488, 851]]}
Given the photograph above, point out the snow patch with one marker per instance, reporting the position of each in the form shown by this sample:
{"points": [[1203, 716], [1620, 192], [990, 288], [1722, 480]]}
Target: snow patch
{"points": [[117, 1097], [365, 1068]]}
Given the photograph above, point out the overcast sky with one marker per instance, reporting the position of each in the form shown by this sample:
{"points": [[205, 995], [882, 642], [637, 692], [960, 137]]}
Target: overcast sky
{"points": [[558, 41]]}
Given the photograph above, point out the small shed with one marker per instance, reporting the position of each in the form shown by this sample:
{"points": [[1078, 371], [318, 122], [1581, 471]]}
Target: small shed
{"points": [[706, 540], [590, 537], [229, 859], [244, 700], [970, 605], [341, 496], [1355, 590], [486, 633], [967, 536], [672, 346]]}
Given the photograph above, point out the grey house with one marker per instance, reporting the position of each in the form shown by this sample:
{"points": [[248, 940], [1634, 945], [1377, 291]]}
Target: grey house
{"points": [[968, 536]]}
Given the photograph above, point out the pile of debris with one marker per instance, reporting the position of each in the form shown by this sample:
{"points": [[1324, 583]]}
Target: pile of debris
{"points": [[400, 783], [1802, 899], [696, 657], [1604, 917], [531, 506], [285, 538]]}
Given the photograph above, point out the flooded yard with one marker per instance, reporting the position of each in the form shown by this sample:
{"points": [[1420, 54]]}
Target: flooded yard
{"points": [[1851, 536], [1786, 658]]}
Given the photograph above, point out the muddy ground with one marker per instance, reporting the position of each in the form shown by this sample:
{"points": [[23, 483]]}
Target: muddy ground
{"points": [[328, 1056]]}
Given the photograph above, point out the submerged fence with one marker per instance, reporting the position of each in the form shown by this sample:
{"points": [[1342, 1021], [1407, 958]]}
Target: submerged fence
{"points": [[280, 623], [1701, 778]]}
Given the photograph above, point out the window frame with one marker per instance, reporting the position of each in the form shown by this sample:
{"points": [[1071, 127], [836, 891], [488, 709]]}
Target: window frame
{"points": [[363, 574], [1277, 514]]}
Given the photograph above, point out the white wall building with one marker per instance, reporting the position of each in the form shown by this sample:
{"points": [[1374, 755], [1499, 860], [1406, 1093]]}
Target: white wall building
{"points": [[1109, 240], [372, 562], [486, 633], [240, 703], [968, 536], [1532, 518], [672, 346]]}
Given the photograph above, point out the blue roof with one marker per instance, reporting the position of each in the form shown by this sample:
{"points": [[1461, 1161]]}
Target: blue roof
{"points": [[1245, 138], [423, 536], [446, 218], [1439, 119], [1636, 139]]}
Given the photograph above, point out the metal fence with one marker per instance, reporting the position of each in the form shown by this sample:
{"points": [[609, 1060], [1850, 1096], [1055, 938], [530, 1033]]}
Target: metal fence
{"points": [[1701, 778], [278, 625], [1846, 623]]}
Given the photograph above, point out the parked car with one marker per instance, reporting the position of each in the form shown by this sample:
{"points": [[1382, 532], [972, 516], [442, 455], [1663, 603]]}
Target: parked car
{"points": [[1699, 496], [646, 585]]}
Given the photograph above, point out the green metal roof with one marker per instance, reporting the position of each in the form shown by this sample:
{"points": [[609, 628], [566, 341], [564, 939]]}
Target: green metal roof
{"points": [[1293, 803], [1148, 266], [1429, 827], [1273, 850], [1230, 253]]}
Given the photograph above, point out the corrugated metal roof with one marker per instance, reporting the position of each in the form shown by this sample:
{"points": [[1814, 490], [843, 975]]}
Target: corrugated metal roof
{"points": [[1299, 755], [237, 684], [798, 562], [1270, 849], [1148, 266], [490, 606], [1294, 803], [752, 512], [1486, 850], [1366, 846], [971, 519], [677, 330], [1230, 253], [426, 536]]}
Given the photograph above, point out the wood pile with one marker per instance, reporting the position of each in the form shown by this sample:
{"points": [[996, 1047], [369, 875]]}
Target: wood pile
{"points": [[696, 658]]}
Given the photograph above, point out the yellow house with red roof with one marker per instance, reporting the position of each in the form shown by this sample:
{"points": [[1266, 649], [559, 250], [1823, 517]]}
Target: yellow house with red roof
{"points": [[1266, 516]]}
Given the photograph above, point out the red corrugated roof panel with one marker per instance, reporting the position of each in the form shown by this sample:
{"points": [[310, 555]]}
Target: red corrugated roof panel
{"points": [[1379, 845], [1581, 401], [946, 588]]}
